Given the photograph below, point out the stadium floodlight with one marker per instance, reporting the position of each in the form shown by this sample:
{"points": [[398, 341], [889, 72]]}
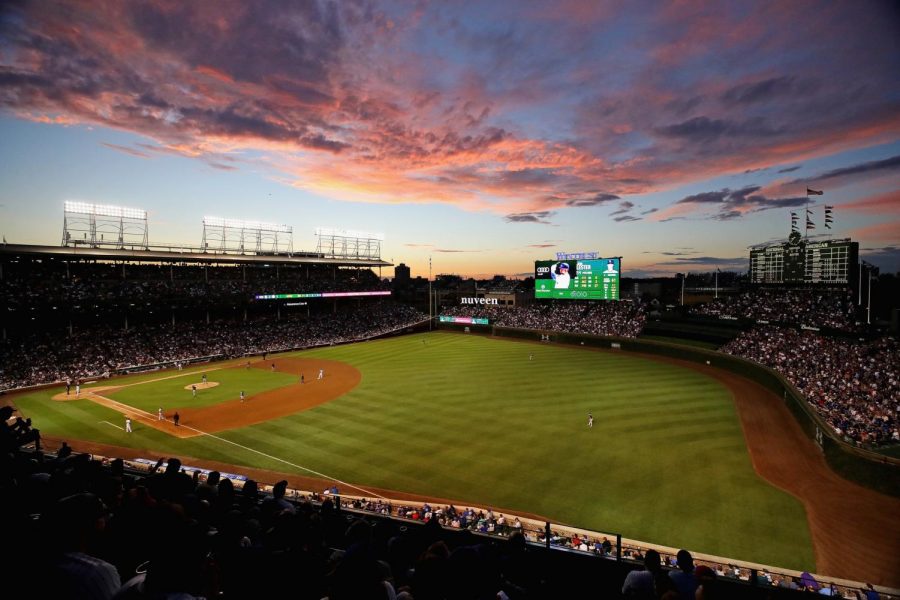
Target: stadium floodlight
{"points": [[103, 225], [238, 235], [348, 243], [349, 233], [104, 210], [241, 224]]}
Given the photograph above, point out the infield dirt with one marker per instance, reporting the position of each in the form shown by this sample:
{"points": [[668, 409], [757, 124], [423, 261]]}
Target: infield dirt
{"points": [[339, 378]]}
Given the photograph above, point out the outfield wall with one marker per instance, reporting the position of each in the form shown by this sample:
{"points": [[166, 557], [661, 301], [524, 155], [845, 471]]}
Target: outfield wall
{"points": [[873, 470]]}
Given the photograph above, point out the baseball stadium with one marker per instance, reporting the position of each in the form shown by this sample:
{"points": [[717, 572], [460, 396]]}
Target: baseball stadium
{"points": [[508, 300], [590, 427]]}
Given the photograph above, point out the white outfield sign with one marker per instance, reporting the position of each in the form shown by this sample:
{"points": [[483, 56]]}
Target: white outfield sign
{"points": [[478, 301]]}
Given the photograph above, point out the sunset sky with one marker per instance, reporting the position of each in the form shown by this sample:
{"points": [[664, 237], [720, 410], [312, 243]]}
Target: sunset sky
{"points": [[485, 135]]}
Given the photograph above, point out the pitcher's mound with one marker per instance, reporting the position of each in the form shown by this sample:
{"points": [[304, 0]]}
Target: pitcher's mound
{"points": [[202, 386]]}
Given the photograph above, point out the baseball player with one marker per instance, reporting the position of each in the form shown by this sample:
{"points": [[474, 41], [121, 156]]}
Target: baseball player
{"points": [[321, 373], [204, 378], [590, 420], [159, 414], [561, 277], [127, 425], [242, 395], [194, 390]]}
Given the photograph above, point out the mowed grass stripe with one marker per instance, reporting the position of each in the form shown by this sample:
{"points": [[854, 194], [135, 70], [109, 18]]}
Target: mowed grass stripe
{"points": [[472, 418]]}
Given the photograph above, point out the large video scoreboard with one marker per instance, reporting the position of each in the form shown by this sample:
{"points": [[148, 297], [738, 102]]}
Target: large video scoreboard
{"points": [[595, 279], [802, 262]]}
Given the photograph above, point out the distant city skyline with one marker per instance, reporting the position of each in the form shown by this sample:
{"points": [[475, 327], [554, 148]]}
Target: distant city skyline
{"points": [[480, 136]]}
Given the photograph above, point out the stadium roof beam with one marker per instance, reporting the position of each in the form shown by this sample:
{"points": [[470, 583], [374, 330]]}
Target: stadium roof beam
{"points": [[89, 224], [180, 254]]}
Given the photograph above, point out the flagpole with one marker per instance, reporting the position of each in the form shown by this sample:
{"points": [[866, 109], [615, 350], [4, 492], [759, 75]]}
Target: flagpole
{"points": [[859, 298], [430, 313], [869, 307], [806, 229], [717, 282]]}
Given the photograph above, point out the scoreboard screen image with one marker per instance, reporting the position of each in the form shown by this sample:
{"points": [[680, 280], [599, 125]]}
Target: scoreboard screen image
{"points": [[803, 262], [577, 279]]}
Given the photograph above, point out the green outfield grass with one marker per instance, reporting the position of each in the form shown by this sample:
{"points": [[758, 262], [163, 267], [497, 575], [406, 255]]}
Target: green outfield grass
{"points": [[473, 419]]}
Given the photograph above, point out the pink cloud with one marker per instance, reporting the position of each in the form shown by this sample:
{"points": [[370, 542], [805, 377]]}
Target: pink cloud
{"points": [[881, 204], [888, 232], [365, 103]]}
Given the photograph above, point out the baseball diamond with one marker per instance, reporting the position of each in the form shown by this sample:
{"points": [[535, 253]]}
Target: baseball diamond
{"points": [[472, 418]]}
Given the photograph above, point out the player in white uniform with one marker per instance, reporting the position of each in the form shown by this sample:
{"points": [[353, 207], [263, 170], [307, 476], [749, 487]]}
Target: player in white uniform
{"points": [[242, 395], [590, 420], [561, 278], [321, 373], [159, 414], [127, 425]]}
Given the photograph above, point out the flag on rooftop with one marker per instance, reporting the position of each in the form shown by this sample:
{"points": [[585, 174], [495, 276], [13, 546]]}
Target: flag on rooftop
{"points": [[811, 192]]}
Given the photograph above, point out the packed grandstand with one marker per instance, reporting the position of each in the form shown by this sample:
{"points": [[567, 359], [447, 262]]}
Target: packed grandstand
{"points": [[77, 320]]}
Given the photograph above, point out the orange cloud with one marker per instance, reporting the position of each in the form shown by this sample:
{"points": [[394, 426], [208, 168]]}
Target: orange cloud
{"points": [[877, 233], [881, 204]]}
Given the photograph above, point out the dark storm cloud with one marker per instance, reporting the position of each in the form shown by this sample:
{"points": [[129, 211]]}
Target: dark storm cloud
{"points": [[705, 260], [594, 200], [624, 207], [704, 129], [530, 217], [875, 166], [761, 91], [733, 204]]}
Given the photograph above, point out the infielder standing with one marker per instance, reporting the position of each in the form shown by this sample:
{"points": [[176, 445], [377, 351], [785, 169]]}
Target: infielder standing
{"points": [[127, 425], [159, 414], [321, 373]]}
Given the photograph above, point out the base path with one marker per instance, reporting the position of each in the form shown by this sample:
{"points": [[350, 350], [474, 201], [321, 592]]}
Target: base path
{"points": [[339, 379]]}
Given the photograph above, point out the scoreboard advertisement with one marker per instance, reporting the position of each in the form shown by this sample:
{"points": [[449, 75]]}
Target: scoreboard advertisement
{"points": [[802, 262], [596, 279], [466, 320]]}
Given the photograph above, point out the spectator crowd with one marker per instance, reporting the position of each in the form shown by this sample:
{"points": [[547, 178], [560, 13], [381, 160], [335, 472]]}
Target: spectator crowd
{"points": [[51, 357], [44, 285], [617, 319], [816, 308], [855, 386], [95, 528]]}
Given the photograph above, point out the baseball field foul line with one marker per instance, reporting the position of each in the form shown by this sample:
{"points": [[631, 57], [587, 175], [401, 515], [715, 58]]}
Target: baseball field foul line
{"points": [[140, 413], [114, 425], [316, 473]]}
